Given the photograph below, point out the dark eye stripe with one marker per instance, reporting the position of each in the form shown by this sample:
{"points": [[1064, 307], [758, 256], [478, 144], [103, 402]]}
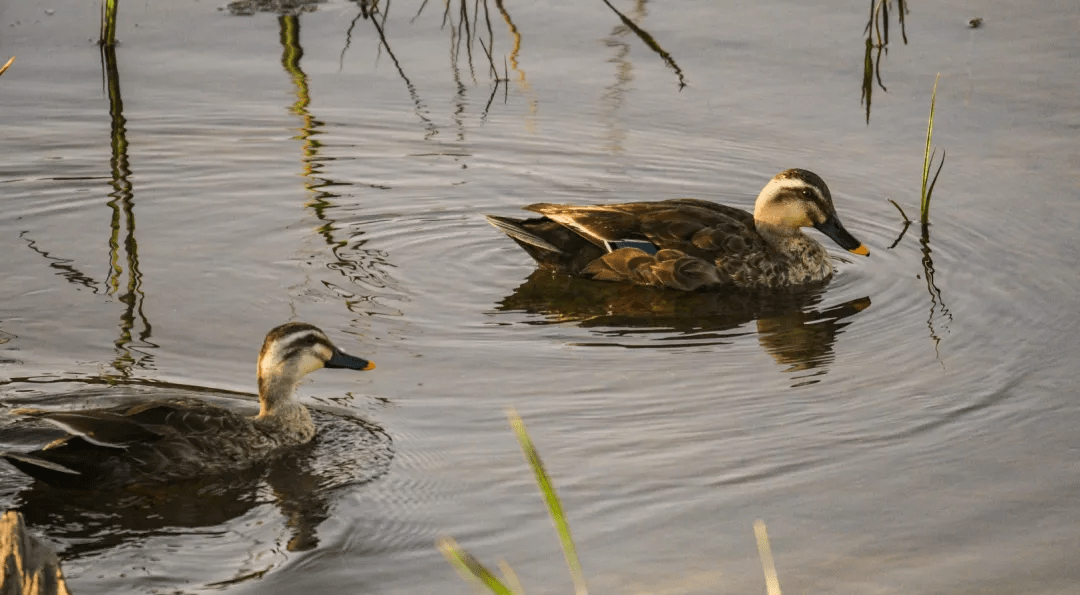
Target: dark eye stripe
{"points": [[814, 197], [304, 341], [295, 351]]}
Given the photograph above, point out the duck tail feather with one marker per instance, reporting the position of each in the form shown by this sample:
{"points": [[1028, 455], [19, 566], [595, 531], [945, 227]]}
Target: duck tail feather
{"points": [[20, 459], [512, 228]]}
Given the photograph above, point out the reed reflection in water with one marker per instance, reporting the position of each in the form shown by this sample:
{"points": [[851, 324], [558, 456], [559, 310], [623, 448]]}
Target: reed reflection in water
{"points": [[349, 257], [123, 278]]}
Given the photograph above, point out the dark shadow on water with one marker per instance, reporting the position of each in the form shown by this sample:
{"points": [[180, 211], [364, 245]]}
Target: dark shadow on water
{"points": [[789, 326]]}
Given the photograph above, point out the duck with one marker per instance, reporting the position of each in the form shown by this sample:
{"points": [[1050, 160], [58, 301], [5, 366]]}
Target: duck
{"points": [[690, 244], [170, 440]]}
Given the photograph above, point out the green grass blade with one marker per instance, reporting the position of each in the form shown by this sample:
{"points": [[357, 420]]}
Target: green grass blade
{"points": [[553, 503], [925, 207], [469, 567], [933, 182]]}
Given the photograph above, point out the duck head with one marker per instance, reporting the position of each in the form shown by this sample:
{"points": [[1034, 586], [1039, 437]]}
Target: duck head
{"points": [[797, 198], [292, 351]]}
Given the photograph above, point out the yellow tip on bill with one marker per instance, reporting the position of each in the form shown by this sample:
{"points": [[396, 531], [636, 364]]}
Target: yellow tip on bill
{"points": [[370, 366], [861, 250]]}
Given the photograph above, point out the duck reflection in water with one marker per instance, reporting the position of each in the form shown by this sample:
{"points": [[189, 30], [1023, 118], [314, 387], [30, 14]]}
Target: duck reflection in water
{"points": [[789, 327]]}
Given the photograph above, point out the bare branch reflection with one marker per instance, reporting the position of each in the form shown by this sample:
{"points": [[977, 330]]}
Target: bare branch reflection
{"points": [[649, 41], [64, 266], [421, 109], [877, 43]]}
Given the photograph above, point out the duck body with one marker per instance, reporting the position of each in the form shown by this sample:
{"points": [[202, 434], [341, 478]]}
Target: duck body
{"points": [[163, 441], [153, 442], [690, 244]]}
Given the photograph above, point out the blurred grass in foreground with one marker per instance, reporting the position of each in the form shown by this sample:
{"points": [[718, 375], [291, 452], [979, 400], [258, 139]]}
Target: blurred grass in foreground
{"points": [[474, 571]]}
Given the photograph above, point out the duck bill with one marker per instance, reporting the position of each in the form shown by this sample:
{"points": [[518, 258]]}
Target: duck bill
{"points": [[835, 230], [340, 359]]}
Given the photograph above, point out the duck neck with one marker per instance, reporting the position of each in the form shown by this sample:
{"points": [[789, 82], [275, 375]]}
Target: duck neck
{"points": [[806, 261], [785, 239], [280, 410]]}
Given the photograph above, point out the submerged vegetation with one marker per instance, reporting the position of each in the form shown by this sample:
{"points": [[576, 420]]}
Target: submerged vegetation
{"points": [[474, 571]]}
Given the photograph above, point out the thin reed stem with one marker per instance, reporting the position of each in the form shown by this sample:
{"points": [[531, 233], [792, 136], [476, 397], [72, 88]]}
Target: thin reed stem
{"points": [[108, 22], [927, 158]]}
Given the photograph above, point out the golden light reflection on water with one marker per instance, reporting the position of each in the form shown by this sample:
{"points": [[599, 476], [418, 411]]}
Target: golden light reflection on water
{"points": [[522, 81]]}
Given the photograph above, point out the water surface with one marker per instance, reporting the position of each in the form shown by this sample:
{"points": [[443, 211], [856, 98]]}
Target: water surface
{"points": [[908, 428]]}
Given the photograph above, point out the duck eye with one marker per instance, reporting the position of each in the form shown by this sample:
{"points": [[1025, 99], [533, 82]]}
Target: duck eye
{"points": [[806, 192]]}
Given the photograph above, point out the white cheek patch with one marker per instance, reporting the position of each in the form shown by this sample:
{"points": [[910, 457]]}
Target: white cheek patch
{"points": [[795, 215], [309, 362], [774, 188]]}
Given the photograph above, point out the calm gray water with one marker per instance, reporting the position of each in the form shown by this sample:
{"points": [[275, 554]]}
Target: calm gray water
{"points": [[899, 432]]}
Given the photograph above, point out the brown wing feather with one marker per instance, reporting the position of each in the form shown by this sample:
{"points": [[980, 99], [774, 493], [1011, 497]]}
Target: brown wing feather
{"points": [[596, 223], [673, 221], [720, 211]]}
